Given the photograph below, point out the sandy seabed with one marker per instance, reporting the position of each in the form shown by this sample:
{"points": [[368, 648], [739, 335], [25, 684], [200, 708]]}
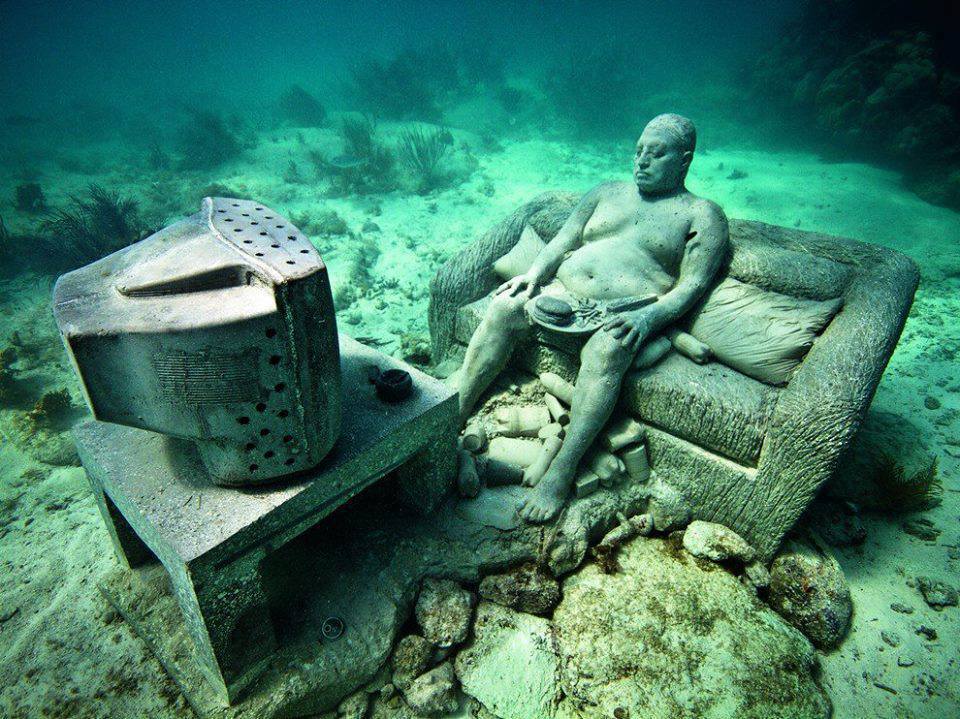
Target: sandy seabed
{"points": [[64, 652]]}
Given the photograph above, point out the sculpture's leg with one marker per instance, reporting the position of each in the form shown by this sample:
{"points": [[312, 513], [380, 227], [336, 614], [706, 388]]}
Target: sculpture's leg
{"points": [[603, 362], [489, 349]]}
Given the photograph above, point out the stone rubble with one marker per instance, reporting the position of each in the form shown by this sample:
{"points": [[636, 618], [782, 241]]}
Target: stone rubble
{"points": [[526, 589], [444, 610]]}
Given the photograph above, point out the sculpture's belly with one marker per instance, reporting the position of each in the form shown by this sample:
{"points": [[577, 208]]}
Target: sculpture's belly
{"points": [[612, 268]]}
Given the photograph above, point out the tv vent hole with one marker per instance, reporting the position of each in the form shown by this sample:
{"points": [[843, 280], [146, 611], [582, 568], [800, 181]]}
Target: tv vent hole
{"points": [[271, 332], [250, 446], [289, 461], [287, 438], [283, 414], [258, 254], [291, 262], [276, 247], [291, 237], [254, 467], [264, 432], [261, 406], [238, 229], [274, 359], [279, 387], [243, 420], [268, 454], [303, 252]]}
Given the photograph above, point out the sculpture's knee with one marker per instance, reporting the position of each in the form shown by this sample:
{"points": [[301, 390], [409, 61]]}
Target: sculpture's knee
{"points": [[604, 354], [505, 312]]}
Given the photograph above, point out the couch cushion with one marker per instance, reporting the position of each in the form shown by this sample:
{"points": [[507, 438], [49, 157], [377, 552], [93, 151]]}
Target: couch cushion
{"points": [[761, 333], [711, 405]]}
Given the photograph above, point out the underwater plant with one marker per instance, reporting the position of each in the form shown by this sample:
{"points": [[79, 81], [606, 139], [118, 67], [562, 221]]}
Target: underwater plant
{"points": [[92, 226], [301, 108], [364, 166], [900, 492], [8, 355], [157, 159], [205, 142], [52, 408], [30, 198], [421, 152], [401, 88]]}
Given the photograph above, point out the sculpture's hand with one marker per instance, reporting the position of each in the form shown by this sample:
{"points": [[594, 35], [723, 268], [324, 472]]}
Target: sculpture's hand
{"points": [[631, 328], [524, 285]]}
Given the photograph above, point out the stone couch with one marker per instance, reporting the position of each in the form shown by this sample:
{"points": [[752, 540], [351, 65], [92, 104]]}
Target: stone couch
{"points": [[743, 452]]}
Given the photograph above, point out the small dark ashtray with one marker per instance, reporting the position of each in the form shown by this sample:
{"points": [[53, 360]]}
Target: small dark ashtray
{"points": [[394, 385]]}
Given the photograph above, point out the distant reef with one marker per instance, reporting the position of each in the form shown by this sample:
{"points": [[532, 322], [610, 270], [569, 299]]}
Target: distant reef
{"points": [[878, 78]]}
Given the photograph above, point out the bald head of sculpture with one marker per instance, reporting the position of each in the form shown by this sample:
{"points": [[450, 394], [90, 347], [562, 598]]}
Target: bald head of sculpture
{"points": [[664, 153]]}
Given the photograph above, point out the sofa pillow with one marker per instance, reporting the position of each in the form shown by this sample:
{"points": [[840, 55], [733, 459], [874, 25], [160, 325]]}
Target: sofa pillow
{"points": [[524, 252], [762, 334]]}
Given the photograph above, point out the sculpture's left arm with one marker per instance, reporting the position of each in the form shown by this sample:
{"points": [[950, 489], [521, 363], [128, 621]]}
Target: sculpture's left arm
{"points": [[704, 253]]}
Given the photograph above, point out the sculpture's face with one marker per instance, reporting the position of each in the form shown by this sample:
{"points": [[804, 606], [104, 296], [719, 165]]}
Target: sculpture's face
{"points": [[660, 164]]}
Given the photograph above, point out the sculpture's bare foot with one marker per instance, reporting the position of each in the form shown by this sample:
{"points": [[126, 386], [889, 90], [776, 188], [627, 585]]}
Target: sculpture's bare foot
{"points": [[545, 499]]}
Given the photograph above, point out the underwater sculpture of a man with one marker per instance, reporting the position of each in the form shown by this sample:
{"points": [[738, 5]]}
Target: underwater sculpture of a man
{"points": [[623, 240]]}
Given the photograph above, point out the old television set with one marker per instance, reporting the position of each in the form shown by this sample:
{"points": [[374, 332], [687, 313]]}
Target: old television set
{"points": [[219, 329]]}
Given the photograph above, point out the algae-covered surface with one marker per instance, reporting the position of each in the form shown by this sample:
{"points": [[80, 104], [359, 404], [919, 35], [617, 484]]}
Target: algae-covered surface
{"points": [[383, 230]]}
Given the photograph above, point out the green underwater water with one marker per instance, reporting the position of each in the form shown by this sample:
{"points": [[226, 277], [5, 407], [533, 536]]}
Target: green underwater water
{"points": [[393, 134]]}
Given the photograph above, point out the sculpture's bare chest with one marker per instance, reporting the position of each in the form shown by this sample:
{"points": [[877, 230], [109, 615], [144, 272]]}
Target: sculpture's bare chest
{"points": [[658, 229]]}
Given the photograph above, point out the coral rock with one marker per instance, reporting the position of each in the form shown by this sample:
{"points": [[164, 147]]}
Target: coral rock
{"points": [[511, 666], [665, 639], [526, 589], [717, 543], [444, 610], [411, 658], [354, 706], [434, 693], [937, 594], [808, 589]]}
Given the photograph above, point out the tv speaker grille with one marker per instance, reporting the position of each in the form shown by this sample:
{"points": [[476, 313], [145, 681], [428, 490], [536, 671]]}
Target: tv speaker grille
{"points": [[207, 377]]}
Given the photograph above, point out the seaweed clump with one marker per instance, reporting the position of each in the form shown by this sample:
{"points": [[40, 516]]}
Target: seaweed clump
{"points": [[421, 153], [90, 228], [900, 492], [8, 355], [30, 198], [52, 409], [302, 109], [205, 142], [366, 165]]}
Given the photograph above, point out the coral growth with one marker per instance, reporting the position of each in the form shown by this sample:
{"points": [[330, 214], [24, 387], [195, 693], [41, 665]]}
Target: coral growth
{"points": [[365, 165], [398, 88], [92, 226], [51, 409], [8, 355], [301, 109], [30, 198], [900, 492], [416, 82], [883, 83], [205, 142], [421, 152]]}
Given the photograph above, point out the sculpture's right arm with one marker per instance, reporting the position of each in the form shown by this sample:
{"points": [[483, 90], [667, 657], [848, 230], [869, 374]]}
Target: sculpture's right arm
{"points": [[569, 237]]}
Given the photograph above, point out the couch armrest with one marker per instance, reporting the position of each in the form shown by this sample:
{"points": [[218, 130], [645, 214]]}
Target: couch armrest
{"points": [[468, 275], [819, 412]]}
